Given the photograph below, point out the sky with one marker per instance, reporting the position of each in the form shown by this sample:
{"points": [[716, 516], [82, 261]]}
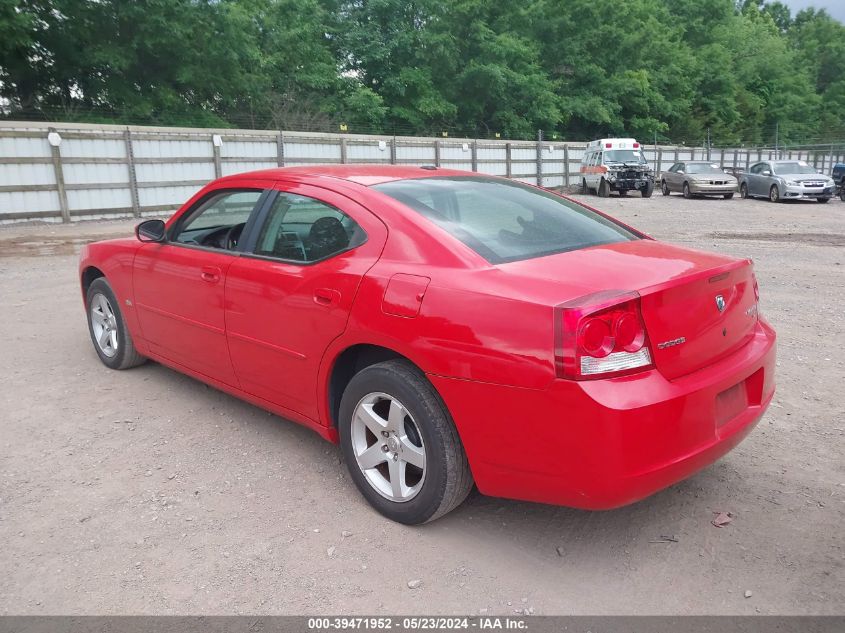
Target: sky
{"points": [[836, 8]]}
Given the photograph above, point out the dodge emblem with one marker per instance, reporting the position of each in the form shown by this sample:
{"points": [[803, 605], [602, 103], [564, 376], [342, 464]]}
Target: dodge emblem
{"points": [[720, 303]]}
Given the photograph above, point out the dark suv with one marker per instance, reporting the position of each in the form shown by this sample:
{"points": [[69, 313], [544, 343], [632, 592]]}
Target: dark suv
{"points": [[838, 175]]}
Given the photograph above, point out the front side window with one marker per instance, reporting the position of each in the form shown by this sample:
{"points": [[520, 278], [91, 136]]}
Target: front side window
{"points": [[758, 168], [218, 221], [303, 229], [505, 221]]}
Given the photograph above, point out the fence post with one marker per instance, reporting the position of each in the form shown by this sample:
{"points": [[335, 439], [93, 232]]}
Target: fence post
{"points": [[692, 153], [747, 159], [508, 166], [218, 168], [566, 166], [676, 153], [475, 155], [343, 158], [133, 179], [539, 158], [658, 167], [59, 174], [280, 149], [393, 151], [722, 158], [437, 153], [736, 152]]}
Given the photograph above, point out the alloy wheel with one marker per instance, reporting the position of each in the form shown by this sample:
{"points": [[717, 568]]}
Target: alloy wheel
{"points": [[104, 325], [388, 447]]}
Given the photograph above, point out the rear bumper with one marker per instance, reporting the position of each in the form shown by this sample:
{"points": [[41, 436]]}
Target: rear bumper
{"points": [[607, 443]]}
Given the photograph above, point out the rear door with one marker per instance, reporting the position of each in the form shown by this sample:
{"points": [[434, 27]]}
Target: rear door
{"points": [[289, 295]]}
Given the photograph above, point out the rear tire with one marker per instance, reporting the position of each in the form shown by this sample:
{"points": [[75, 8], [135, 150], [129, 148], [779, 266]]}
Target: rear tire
{"points": [[728, 196], [584, 186], [388, 409], [108, 330], [623, 193], [604, 189], [774, 194], [664, 188]]}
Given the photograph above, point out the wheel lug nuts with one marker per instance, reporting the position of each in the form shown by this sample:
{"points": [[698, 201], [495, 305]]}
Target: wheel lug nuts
{"points": [[385, 434], [395, 457], [384, 448]]}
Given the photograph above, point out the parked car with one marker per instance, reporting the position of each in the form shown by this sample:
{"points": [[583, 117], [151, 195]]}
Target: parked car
{"points": [[838, 175], [616, 164], [445, 328], [698, 178], [785, 180]]}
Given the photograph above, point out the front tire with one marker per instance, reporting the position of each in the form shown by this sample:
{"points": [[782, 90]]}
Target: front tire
{"points": [[400, 445], [774, 194], [687, 193], [822, 199], [108, 330], [664, 188], [743, 191], [728, 196], [648, 190]]}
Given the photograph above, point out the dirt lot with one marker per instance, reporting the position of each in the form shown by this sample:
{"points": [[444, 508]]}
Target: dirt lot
{"points": [[147, 492]]}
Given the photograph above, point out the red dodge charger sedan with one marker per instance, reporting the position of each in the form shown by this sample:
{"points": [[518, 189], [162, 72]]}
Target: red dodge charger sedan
{"points": [[448, 329]]}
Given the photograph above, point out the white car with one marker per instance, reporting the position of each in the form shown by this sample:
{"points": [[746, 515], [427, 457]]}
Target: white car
{"points": [[615, 164]]}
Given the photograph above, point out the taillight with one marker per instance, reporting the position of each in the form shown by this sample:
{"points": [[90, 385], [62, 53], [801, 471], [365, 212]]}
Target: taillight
{"points": [[599, 336]]}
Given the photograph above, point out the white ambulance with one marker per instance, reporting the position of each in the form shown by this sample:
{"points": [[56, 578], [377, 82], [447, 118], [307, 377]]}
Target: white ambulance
{"points": [[616, 164]]}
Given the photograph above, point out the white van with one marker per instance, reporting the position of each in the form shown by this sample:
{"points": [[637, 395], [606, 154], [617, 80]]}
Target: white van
{"points": [[615, 164]]}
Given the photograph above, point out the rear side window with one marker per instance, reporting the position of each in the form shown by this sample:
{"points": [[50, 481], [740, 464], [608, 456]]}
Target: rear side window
{"points": [[303, 229], [505, 221]]}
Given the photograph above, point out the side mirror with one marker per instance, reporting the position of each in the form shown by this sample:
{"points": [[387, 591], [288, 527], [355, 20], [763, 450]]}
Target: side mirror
{"points": [[150, 231], [765, 172], [680, 171]]}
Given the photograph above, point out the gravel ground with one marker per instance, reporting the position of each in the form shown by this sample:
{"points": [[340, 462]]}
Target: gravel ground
{"points": [[146, 492]]}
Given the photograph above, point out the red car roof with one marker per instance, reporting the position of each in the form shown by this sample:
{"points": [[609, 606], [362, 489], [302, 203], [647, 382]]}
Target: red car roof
{"points": [[361, 174]]}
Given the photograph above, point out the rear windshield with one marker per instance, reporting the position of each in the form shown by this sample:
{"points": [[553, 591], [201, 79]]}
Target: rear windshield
{"points": [[505, 221]]}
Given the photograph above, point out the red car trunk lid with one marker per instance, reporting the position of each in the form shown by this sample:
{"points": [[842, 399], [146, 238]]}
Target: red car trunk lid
{"points": [[699, 320], [698, 307]]}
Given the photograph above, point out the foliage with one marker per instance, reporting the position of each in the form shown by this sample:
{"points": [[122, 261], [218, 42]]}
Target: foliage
{"points": [[736, 70]]}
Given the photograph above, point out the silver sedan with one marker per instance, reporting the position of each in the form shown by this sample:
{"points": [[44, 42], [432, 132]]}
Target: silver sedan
{"points": [[698, 178], [786, 180]]}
